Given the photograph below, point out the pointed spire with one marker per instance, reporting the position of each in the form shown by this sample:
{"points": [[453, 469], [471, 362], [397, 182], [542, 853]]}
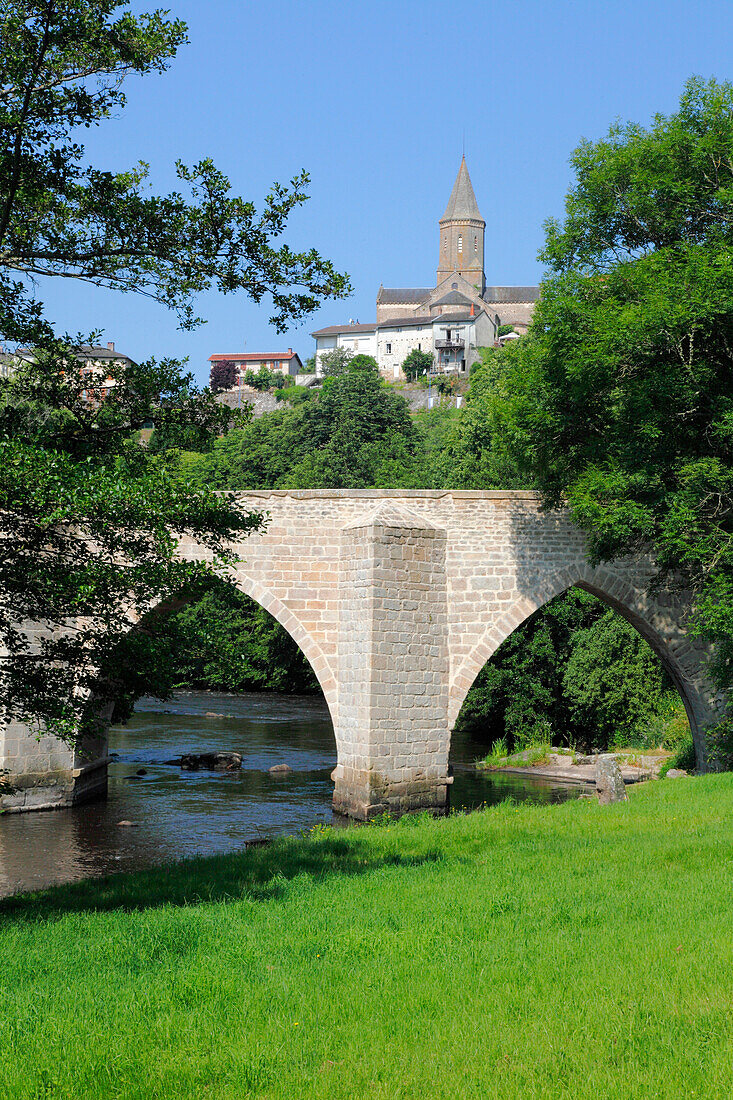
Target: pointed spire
{"points": [[462, 203]]}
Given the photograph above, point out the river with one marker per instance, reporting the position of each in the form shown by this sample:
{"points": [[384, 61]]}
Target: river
{"points": [[177, 813]]}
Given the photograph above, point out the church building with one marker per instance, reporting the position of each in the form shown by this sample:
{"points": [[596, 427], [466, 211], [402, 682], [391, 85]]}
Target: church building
{"points": [[452, 319]]}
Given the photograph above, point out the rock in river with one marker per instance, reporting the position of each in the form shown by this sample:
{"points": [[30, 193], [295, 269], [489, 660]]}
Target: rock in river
{"points": [[280, 769], [609, 782], [215, 761]]}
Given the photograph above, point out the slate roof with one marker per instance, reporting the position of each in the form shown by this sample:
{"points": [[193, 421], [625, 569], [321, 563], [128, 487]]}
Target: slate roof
{"points": [[462, 202], [334, 330], [452, 298], [411, 319], [402, 295], [511, 294], [426, 319]]}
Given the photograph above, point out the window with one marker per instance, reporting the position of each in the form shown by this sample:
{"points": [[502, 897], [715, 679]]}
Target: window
{"points": [[454, 286], [419, 346], [475, 245], [389, 349], [460, 243]]}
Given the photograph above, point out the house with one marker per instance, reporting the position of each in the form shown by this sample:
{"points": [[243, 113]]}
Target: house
{"points": [[95, 361], [285, 362], [452, 319]]}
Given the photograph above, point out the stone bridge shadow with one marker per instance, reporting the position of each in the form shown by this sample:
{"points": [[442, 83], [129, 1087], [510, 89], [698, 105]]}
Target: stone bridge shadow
{"points": [[259, 873], [549, 557]]}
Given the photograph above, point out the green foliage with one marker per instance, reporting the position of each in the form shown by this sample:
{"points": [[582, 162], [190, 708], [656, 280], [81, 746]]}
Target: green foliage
{"points": [[222, 641], [497, 755], [612, 681], [719, 742], [417, 363], [478, 454], [684, 758], [575, 674], [335, 362], [89, 518], [356, 432], [294, 395], [62, 66], [504, 330], [620, 400], [265, 379]]}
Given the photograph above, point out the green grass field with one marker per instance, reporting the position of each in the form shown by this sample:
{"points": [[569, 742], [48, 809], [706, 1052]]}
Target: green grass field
{"points": [[564, 951]]}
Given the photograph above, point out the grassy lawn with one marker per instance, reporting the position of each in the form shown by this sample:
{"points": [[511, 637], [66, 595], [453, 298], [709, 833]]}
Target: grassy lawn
{"points": [[570, 950]]}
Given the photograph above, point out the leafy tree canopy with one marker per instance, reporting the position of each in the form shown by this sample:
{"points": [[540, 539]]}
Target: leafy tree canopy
{"points": [[416, 363], [355, 433], [89, 518], [62, 63], [335, 362], [620, 401], [222, 376]]}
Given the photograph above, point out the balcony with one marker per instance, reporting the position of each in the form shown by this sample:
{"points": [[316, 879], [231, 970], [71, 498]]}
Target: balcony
{"points": [[450, 345]]}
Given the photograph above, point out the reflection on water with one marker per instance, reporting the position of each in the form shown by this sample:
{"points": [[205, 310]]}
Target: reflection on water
{"points": [[176, 814]]}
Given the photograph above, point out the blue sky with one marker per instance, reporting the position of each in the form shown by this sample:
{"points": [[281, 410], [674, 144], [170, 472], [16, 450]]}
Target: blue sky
{"points": [[373, 99]]}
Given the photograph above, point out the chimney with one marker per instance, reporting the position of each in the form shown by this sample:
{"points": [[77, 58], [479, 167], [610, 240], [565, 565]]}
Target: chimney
{"points": [[472, 309], [110, 345], [290, 352]]}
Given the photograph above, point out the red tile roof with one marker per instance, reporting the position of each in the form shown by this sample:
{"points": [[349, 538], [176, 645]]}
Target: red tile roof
{"points": [[253, 356]]}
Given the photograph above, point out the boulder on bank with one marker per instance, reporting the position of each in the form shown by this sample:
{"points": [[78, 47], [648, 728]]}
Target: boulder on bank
{"points": [[610, 786], [212, 761]]}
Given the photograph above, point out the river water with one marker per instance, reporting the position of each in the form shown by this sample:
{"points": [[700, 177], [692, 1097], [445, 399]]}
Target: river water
{"points": [[177, 813]]}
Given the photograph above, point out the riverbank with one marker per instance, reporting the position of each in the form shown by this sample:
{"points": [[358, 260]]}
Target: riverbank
{"points": [[524, 951], [566, 766]]}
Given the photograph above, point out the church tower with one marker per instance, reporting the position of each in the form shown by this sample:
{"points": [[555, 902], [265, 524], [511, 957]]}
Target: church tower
{"points": [[462, 234]]}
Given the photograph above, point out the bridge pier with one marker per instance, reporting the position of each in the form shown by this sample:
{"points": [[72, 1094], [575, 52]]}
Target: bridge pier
{"points": [[392, 725], [43, 773]]}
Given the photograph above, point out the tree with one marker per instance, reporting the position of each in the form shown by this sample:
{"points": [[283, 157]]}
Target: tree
{"points": [[417, 363], [478, 452], [222, 641], [335, 362], [89, 519], [222, 376], [621, 401], [62, 63], [575, 674], [355, 433]]}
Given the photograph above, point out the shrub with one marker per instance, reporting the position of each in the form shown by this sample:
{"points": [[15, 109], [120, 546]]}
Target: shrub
{"points": [[684, 758], [720, 746], [294, 395]]}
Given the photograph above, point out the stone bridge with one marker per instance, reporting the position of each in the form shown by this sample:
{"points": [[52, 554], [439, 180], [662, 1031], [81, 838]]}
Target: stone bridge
{"points": [[398, 598]]}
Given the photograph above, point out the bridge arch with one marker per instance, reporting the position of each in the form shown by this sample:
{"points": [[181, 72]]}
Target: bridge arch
{"points": [[681, 657], [305, 641]]}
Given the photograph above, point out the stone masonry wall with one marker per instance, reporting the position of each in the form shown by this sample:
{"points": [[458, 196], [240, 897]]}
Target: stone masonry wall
{"points": [[350, 574], [393, 665]]}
